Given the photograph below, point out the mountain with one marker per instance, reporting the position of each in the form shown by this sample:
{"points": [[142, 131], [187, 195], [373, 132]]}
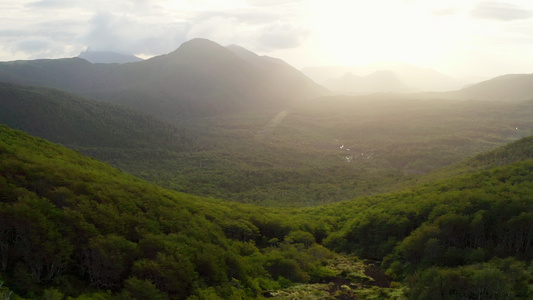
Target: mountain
{"points": [[106, 57], [127, 139], [200, 78], [80, 123], [507, 88], [279, 74], [377, 82], [260, 61], [423, 79]]}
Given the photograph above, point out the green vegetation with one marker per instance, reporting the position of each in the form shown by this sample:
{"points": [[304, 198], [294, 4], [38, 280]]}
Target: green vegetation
{"points": [[388, 143], [84, 124], [75, 227]]}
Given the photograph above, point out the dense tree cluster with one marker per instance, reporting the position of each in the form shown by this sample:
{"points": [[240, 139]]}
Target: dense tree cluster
{"points": [[71, 225], [323, 151]]}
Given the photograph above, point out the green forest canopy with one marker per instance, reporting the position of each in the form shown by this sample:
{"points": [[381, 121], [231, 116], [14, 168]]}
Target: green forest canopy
{"points": [[73, 226], [323, 151]]}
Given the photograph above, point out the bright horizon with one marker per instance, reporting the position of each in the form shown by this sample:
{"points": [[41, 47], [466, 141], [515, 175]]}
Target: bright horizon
{"points": [[458, 38]]}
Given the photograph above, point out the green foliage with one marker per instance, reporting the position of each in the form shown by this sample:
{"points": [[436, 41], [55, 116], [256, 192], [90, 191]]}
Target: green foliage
{"points": [[300, 237], [71, 226], [142, 289], [66, 219], [497, 279], [387, 143]]}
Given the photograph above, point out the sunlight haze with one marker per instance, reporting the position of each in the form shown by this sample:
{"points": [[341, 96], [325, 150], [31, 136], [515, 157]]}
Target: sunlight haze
{"points": [[459, 38]]}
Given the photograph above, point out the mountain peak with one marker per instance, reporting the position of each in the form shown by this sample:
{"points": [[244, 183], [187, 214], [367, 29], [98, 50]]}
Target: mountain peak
{"points": [[198, 44], [108, 57]]}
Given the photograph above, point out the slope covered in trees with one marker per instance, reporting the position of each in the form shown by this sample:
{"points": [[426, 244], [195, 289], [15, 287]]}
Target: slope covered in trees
{"points": [[80, 123], [321, 151], [71, 225], [465, 237]]}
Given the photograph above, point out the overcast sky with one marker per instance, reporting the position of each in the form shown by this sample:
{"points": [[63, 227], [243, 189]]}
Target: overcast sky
{"points": [[457, 37]]}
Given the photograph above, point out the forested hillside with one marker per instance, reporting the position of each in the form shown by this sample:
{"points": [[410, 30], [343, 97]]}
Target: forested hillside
{"points": [[72, 225], [80, 123], [321, 151]]}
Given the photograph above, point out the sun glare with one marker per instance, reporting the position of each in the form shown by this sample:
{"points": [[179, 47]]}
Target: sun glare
{"points": [[354, 34]]}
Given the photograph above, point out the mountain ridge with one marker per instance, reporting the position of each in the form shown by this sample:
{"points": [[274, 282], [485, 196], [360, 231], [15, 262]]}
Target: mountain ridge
{"points": [[423, 79], [108, 57], [509, 87], [382, 81], [200, 78]]}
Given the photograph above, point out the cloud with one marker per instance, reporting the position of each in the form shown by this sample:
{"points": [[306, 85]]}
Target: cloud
{"points": [[254, 28], [499, 11], [282, 36], [32, 45], [11, 33], [240, 16], [52, 3], [37, 47], [146, 27], [126, 34], [265, 3]]}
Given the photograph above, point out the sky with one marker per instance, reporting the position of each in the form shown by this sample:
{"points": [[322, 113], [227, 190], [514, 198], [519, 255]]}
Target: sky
{"points": [[457, 37]]}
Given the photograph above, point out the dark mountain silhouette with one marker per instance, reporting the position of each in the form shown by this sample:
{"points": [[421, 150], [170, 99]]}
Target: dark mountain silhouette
{"points": [[107, 57], [200, 78], [377, 82], [506, 88], [286, 79]]}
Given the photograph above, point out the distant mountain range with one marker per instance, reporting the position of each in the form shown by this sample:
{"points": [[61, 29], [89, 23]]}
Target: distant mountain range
{"points": [[106, 57], [417, 78], [377, 82], [512, 87], [421, 83], [200, 78]]}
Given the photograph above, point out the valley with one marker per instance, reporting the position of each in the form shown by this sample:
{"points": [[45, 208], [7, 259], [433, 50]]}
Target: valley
{"points": [[214, 173]]}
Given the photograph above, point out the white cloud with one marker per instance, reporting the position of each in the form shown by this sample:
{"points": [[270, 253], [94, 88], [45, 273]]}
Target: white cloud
{"points": [[282, 36], [448, 11], [127, 34], [273, 2], [500, 11]]}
